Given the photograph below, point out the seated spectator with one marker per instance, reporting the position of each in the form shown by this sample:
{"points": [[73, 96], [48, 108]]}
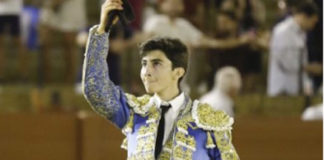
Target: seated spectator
{"points": [[227, 84]]}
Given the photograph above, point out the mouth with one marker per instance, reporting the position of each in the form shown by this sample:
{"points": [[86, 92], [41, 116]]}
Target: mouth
{"points": [[149, 81]]}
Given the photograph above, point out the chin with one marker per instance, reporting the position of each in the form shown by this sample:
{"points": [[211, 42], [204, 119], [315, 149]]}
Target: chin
{"points": [[151, 89]]}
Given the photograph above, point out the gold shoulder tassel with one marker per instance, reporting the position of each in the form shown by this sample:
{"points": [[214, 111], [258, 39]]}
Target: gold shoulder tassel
{"points": [[210, 143]]}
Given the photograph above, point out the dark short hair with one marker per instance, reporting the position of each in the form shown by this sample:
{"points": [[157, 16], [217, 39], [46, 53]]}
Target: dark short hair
{"points": [[308, 8], [174, 50]]}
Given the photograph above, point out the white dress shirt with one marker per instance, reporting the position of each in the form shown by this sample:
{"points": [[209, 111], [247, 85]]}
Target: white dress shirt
{"points": [[171, 115], [288, 53]]}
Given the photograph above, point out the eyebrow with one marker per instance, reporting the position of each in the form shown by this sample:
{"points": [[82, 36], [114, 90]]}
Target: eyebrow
{"points": [[156, 60], [152, 60]]}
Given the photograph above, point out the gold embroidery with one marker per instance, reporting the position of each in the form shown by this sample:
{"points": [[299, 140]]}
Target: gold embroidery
{"points": [[182, 124], [185, 146], [154, 115], [128, 128], [140, 104], [182, 154], [146, 141], [209, 119], [166, 151], [124, 144], [223, 141]]}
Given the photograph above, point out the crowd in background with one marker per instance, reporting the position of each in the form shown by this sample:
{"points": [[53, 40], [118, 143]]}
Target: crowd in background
{"points": [[219, 33]]}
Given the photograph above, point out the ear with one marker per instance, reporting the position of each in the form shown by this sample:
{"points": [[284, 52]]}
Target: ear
{"points": [[179, 72]]}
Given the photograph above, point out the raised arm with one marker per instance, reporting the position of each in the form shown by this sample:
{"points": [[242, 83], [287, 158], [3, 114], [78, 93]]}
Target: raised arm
{"points": [[104, 97]]}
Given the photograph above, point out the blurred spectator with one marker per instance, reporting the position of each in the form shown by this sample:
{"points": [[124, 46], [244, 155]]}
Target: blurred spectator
{"points": [[313, 113], [64, 17], [10, 12], [288, 52], [315, 50], [246, 58], [250, 13], [169, 23], [227, 83], [30, 21], [314, 39], [254, 14]]}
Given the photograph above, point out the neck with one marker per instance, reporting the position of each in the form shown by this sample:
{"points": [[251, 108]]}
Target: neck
{"points": [[172, 18], [298, 20], [169, 93]]}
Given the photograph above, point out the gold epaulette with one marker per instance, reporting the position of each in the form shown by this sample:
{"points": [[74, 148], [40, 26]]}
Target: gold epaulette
{"points": [[209, 119], [140, 105], [218, 125]]}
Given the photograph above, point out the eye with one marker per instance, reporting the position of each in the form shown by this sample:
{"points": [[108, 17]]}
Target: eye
{"points": [[144, 63], [156, 63]]}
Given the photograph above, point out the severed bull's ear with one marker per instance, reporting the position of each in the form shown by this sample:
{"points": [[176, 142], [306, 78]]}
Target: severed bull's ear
{"points": [[126, 15]]}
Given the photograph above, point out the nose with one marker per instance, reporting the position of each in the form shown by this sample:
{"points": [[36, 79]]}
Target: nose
{"points": [[147, 70]]}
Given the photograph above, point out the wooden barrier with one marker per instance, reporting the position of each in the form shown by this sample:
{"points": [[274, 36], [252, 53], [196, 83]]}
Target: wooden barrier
{"points": [[101, 140], [38, 137], [66, 137], [278, 138]]}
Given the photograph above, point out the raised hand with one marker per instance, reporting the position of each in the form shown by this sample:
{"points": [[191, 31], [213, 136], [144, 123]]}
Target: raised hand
{"points": [[106, 8]]}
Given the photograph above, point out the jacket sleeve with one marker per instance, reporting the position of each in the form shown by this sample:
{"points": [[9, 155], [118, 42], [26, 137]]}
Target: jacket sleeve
{"points": [[102, 94], [224, 149]]}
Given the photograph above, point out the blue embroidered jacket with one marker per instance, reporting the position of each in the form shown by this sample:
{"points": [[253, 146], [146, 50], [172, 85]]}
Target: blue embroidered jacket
{"points": [[199, 133]]}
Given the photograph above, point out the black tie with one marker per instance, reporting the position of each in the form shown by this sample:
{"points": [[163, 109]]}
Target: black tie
{"points": [[160, 132]]}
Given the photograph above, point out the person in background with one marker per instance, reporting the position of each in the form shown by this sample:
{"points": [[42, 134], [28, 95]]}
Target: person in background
{"points": [[246, 57], [315, 51], [10, 13], [288, 52], [313, 113], [169, 23], [227, 84], [65, 18]]}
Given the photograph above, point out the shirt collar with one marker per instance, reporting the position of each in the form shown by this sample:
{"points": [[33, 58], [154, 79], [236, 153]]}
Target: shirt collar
{"points": [[176, 102], [295, 26]]}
